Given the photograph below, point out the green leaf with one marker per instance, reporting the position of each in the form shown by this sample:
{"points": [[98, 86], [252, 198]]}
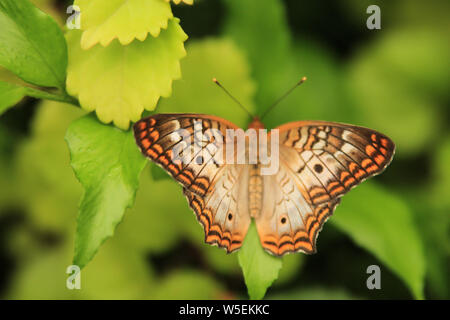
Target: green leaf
{"points": [[381, 222], [10, 94], [105, 20], [33, 46], [107, 163], [260, 269], [119, 82]]}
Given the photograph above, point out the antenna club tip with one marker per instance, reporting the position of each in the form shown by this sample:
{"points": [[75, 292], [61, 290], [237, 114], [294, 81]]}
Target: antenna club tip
{"points": [[214, 80], [304, 79]]}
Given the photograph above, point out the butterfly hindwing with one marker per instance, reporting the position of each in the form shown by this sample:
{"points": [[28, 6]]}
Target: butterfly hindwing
{"points": [[223, 212], [288, 222]]}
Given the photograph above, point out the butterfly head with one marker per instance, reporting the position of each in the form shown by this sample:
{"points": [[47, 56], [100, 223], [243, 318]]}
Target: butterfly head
{"points": [[256, 124]]}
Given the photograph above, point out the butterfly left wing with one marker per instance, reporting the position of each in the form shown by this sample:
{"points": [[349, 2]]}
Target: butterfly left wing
{"points": [[319, 163], [216, 192]]}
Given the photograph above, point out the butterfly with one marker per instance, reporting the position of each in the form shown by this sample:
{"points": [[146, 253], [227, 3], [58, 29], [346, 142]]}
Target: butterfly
{"points": [[318, 162]]}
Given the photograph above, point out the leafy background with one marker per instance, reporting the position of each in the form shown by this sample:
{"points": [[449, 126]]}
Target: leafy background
{"points": [[394, 80]]}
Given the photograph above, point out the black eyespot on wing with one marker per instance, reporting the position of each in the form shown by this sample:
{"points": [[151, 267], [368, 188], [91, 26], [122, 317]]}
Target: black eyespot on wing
{"points": [[318, 168]]}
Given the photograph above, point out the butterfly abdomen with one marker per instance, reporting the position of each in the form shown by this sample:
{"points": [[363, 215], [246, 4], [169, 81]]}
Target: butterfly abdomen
{"points": [[255, 189]]}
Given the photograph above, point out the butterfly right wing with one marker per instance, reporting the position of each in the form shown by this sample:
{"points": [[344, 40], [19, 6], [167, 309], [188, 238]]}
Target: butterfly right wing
{"points": [[288, 221], [319, 162]]}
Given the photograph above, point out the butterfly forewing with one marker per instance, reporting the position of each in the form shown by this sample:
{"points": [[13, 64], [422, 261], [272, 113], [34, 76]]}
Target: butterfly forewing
{"points": [[162, 135], [332, 157]]}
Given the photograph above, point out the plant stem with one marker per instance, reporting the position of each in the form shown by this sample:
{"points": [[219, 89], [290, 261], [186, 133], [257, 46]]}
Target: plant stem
{"points": [[35, 93]]}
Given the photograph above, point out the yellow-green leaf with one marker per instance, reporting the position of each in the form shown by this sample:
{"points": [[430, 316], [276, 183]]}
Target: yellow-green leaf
{"points": [[105, 20], [119, 82]]}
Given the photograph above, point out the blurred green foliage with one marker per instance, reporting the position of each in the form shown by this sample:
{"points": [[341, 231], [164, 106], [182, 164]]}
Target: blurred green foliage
{"points": [[394, 80]]}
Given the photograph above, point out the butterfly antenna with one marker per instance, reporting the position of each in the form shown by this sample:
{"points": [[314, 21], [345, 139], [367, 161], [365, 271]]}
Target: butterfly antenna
{"points": [[282, 97], [234, 99]]}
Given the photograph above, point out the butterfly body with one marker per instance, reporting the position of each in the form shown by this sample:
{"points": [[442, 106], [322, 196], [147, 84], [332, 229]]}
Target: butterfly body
{"points": [[317, 162]]}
